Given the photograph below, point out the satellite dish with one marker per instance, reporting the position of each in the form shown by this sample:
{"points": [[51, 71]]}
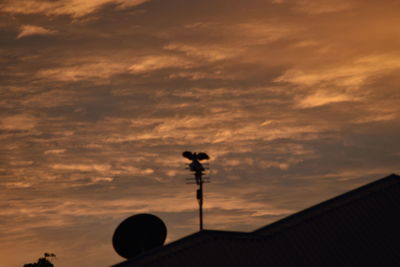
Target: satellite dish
{"points": [[137, 234]]}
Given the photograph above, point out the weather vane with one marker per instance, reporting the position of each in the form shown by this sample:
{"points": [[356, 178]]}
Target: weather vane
{"points": [[198, 170]]}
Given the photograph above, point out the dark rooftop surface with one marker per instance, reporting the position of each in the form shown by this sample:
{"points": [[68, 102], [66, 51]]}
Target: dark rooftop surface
{"points": [[358, 228]]}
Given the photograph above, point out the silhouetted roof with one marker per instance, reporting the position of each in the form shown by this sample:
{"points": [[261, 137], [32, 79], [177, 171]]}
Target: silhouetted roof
{"points": [[205, 248], [358, 228]]}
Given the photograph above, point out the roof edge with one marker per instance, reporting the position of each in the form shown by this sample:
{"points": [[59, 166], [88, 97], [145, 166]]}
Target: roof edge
{"points": [[186, 241], [327, 205]]}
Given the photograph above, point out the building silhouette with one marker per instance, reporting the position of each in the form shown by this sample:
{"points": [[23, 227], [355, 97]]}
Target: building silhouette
{"points": [[358, 228]]}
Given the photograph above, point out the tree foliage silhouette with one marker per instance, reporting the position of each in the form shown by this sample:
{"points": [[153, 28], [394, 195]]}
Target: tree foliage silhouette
{"points": [[42, 262]]}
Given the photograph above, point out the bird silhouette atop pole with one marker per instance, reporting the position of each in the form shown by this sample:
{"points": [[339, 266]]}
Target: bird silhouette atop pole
{"points": [[198, 169]]}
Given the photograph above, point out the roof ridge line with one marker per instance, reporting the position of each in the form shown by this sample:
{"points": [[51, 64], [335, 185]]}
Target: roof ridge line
{"points": [[327, 205]]}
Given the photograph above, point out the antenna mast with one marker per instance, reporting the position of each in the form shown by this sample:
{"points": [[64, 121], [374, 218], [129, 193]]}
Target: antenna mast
{"points": [[198, 170]]}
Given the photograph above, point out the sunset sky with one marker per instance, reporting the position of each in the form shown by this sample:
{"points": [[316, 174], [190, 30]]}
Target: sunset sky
{"points": [[295, 101]]}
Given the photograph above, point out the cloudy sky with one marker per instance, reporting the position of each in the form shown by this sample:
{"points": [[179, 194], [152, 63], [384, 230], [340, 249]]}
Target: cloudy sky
{"points": [[295, 101]]}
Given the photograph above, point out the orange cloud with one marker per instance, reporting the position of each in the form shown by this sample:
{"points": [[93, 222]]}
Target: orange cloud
{"points": [[82, 167], [28, 30], [74, 8], [322, 6], [103, 69], [324, 98], [352, 73], [54, 151], [151, 63], [208, 52], [18, 122]]}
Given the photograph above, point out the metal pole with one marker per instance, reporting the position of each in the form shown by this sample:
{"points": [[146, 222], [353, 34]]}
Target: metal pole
{"points": [[199, 178], [196, 167], [201, 205]]}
